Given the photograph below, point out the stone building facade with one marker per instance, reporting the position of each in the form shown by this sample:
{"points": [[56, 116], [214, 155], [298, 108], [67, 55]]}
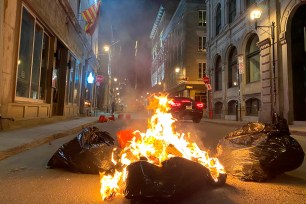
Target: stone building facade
{"points": [[257, 67], [179, 50], [45, 59]]}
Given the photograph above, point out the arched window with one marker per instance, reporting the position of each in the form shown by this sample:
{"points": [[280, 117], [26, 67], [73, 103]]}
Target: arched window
{"points": [[218, 109], [231, 10], [252, 106], [252, 61], [232, 68], [218, 74], [218, 19], [231, 107]]}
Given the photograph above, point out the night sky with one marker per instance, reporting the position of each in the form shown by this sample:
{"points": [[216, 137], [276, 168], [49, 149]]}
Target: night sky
{"points": [[130, 20]]}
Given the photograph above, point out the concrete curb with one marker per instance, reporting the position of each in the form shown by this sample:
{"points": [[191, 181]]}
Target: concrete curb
{"points": [[37, 142]]}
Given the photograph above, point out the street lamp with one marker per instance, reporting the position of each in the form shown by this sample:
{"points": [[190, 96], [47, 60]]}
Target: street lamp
{"points": [[108, 49], [255, 14]]}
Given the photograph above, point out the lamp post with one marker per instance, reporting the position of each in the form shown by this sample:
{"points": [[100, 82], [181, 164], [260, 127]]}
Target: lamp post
{"points": [[108, 49], [255, 14]]}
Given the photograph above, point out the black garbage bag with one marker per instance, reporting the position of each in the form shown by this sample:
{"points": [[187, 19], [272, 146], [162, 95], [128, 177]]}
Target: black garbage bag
{"points": [[89, 152], [176, 178], [260, 151]]}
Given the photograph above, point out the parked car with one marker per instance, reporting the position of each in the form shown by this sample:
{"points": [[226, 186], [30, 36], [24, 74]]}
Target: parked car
{"points": [[184, 108]]}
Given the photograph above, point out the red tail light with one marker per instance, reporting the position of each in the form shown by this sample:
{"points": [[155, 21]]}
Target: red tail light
{"points": [[199, 105], [185, 101]]}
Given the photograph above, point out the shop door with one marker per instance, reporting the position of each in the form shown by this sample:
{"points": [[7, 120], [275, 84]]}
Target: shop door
{"points": [[298, 33]]}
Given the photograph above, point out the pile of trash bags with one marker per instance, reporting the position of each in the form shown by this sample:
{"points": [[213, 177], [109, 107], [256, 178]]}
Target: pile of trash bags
{"points": [[89, 152], [177, 178], [260, 151]]}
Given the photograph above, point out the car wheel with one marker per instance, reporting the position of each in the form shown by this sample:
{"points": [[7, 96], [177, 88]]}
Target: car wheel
{"points": [[196, 120]]}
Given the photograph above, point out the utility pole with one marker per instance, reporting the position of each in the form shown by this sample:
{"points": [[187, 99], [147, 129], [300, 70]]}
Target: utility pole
{"points": [[136, 74]]}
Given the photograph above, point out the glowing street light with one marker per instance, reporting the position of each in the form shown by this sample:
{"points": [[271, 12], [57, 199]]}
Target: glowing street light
{"points": [[255, 15], [106, 48]]}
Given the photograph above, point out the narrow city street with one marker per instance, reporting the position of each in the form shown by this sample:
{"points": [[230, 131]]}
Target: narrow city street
{"points": [[25, 179]]}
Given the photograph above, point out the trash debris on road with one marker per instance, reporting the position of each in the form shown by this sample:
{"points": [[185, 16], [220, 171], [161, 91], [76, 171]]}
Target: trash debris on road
{"points": [[176, 178], [89, 152], [260, 151]]}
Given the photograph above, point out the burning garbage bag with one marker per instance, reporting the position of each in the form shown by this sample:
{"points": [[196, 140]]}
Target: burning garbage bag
{"points": [[259, 151], [89, 152], [177, 177]]}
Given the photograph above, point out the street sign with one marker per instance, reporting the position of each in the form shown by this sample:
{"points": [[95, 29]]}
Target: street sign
{"points": [[208, 86], [99, 78], [206, 80]]}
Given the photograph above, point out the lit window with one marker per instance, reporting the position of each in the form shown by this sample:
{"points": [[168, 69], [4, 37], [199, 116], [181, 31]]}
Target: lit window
{"points": [[202, 70], [252, 57], [202, 41], [202, 18], [232, 68], [32, 58]]}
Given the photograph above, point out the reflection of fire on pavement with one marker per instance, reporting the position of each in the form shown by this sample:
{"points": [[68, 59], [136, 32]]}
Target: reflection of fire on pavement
{"points": [[156, 146]]}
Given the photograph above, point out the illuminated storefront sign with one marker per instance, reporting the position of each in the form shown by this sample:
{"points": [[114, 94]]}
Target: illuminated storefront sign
{"points": [[90, 78]]}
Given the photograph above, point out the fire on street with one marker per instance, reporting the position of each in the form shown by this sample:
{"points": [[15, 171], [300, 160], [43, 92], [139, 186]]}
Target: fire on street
{"points": [[24, 178]]}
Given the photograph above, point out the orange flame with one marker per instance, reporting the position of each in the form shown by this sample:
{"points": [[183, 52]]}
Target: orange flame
{"points": [[159, 143]]}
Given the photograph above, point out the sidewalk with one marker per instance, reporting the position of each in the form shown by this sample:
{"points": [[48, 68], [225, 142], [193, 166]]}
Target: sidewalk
{"points": [[294, 129], [16, 141]]}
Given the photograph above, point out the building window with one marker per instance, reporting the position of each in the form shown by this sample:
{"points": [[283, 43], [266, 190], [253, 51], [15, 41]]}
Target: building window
{"points": [[218, 75], [202, 18], [44, 65], [202, 70], [231, 11], [70, 79], [218, 110], [252, 106], [73, 80], [252, 57], [249, 3], [218, 19], [77, 82], [32, 58], [202, 41], [232, 68], [232, 107]]}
